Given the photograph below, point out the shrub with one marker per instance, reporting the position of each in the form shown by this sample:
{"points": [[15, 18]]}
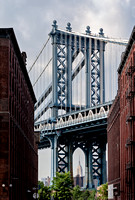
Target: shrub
{"points": [[85, 194], [76, 192], [44, 191], [92, 195], [102, 192], [62, 186]]}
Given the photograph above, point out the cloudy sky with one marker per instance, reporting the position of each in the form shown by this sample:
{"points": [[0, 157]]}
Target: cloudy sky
{"points": [[32, 20]]}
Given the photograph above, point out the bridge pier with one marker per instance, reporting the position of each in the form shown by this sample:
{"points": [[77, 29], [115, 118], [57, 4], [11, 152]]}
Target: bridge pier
{"points": [[104, 167], [62, 149], [86, 179], [90, 183], [70, 160], [95, 159], [54, 155]]}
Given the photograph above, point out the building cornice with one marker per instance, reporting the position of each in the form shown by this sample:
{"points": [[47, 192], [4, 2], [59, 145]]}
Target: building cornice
{"points": [[127, 51]]}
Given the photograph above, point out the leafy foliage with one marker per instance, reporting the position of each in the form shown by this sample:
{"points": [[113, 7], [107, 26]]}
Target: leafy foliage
{"points": [[62, 189], [102, 191], [40, 184], [44, 191], [62, 186], [85, 194], [76, 192], [92, 195]]}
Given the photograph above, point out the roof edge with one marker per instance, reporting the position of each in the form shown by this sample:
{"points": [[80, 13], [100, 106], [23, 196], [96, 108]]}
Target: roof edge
{"points": [[9, 33], [127, 50]]}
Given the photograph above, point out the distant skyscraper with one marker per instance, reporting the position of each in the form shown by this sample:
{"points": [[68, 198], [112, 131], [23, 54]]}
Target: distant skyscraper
{"points": [[78, 179], [79, 169], [46, 181]]}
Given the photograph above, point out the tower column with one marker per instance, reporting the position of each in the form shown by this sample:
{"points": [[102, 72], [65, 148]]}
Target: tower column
{"points": [[69, 74], [54, 71], [54, 156], [86, 179], [70, 159], [103, 168], [87, 73], [90, 168], [102, 73]]}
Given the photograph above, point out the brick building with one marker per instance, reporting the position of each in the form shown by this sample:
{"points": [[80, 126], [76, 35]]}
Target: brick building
{"points": [[121, 130], [113, 130], [18, 151]]}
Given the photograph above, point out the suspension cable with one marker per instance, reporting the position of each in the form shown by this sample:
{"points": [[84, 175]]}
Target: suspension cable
{"points": [[42, 72], [39, 54]]}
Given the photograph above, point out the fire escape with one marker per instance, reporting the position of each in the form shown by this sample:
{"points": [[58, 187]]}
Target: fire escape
{"points": [[130, 120]]}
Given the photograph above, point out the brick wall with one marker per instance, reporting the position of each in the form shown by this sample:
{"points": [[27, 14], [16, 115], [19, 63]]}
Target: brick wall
{"points": [[18, 152], [113, 138], [127, 129], [121, 128], [4, 115]]}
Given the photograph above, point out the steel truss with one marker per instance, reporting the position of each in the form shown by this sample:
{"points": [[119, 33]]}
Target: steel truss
{"points": [[66, 50], [62, 158], [63, 147]]}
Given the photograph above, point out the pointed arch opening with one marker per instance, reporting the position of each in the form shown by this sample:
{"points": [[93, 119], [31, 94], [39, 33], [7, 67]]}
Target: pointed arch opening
{"points": [[79, 167]]}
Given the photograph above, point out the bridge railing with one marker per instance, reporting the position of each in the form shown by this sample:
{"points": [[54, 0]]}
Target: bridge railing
{"points": [[84, 116]]}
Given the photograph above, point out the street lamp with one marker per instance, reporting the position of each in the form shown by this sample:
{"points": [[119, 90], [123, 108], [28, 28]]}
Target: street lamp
{"points": [[35, 195], [5, 187], [28, 191]]}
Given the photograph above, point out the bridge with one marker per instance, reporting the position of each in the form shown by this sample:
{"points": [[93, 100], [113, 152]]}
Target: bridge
{"points": [[74, 77]]}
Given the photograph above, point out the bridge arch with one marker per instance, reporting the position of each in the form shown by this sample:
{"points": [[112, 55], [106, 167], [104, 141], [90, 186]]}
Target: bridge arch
{"points": [[90, 114], [80, 117], [70, 120], [79, 166], [102, 112]]}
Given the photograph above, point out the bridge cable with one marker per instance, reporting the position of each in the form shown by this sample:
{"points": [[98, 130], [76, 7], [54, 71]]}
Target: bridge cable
{"points": [[66, 102], [42, 72], [85, 56], [76, 76], [39, 55], [50, 78], [80, 45]]}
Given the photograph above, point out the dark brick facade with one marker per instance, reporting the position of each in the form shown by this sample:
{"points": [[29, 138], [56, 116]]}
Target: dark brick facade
{"points": [[121, 129], [113, 138], [18, 152]]}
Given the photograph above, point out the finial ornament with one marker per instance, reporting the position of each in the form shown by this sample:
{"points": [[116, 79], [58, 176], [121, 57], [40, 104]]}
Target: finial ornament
{"points": [[68, 28], [54, 25], [88, 30], [101, 32]]}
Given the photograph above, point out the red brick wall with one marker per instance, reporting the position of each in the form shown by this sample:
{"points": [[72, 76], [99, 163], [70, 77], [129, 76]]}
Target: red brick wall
{"points": [[127, 133], [121, 132], [4, 116], [113, 138], [19, 160]]}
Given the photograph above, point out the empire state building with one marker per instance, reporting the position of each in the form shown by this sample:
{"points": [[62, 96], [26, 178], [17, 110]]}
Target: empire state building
{"points": [[78, 179]]}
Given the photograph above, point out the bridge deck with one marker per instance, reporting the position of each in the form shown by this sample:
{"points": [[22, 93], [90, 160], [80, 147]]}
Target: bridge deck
{"points": [[85, 123]]}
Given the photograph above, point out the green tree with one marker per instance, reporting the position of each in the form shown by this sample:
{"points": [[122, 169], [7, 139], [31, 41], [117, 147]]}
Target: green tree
{"points": [[102, 191], [40, 184], [44, 191], [62, 186], [92, 195], [85, 194], [76, 192]]}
